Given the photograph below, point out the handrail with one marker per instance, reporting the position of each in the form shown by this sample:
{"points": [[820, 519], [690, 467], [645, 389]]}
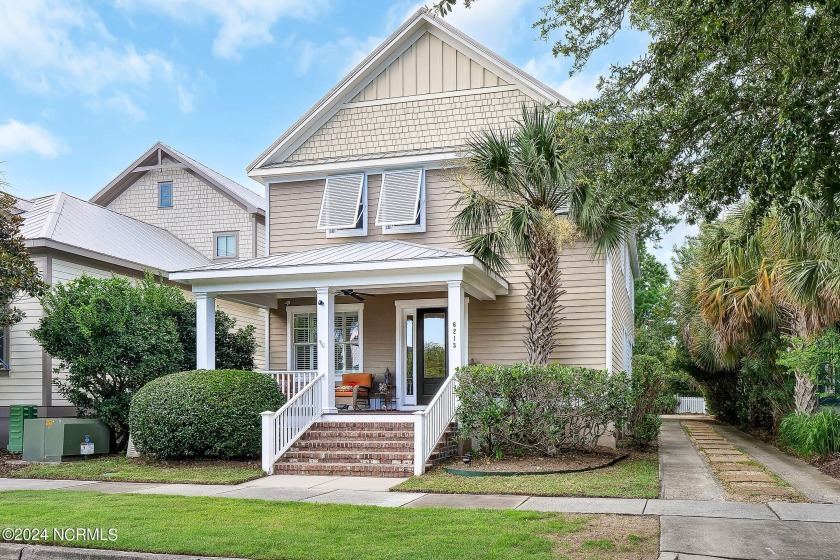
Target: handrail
{"points": [[431, 423], [291, 382], [282, 428]]}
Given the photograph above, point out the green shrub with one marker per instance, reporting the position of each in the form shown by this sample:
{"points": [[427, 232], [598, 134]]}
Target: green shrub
{"points": [[649, 399], [811, 434], [538, 409], [203, 413]]}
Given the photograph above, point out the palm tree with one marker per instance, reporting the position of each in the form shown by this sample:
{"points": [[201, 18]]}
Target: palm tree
{"points": [[780, 275], [516, 189]]}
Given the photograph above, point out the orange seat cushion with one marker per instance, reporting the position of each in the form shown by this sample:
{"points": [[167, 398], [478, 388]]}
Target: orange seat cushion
{"points": [[363, 379], [344, 393]]}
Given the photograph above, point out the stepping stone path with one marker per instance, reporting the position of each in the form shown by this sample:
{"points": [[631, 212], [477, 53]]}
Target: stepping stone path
{"points": [[743, 478]]}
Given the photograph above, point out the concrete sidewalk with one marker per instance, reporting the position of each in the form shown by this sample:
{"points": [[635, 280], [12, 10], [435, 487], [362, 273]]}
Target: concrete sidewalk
{"points": [[376, 492]]}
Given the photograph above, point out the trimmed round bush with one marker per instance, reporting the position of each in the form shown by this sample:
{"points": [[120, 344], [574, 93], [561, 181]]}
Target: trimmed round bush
{"points": [[203, 413]]}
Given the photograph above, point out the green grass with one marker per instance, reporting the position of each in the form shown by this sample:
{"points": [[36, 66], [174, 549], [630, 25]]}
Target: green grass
{"points": [[634, 477], [288, 530], [118, 468]]}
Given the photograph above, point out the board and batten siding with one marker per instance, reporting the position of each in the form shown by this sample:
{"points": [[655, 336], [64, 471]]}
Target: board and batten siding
{"points": [[496, 328], [198, 210]]}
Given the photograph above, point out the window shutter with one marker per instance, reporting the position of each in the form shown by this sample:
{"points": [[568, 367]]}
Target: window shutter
{"points": [[399, 198], [341, 206]]}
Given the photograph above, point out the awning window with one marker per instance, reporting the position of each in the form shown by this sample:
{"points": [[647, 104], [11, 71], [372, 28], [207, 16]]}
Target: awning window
{"points": [[399, 198], [342, 205]]}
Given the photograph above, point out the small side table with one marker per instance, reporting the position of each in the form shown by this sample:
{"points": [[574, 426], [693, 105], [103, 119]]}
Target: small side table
{"points": [[387, 399]]}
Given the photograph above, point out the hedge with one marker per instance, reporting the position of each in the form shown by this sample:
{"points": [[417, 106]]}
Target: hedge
{"points": [[202, 413]]}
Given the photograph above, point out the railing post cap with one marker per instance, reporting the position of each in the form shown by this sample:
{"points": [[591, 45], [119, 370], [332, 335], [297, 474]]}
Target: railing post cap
{"points": [[266, 413]]}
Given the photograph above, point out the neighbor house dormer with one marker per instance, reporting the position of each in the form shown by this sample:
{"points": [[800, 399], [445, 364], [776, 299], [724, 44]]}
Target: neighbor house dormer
{"points": [[218, 217], [373, 159]]}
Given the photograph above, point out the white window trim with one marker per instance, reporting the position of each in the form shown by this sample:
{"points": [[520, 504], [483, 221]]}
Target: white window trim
{"points": [[291, 310], [5, 354], [171, 194], [628, 275], [419, 227], [350, 232]]}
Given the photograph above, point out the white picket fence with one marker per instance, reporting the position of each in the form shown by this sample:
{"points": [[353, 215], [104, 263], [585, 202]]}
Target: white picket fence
{"points": [[691, 405]]}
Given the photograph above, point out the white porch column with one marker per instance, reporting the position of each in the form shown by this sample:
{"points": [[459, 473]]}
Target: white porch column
{"points": [[205, 331], [326, 344], [456, 330]]}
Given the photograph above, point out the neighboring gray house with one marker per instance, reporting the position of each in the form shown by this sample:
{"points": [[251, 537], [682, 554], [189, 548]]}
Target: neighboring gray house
{"points": [[197, 218]]}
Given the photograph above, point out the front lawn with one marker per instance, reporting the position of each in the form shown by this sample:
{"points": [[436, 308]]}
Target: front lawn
{"points": [[118, 468], [634, 477], [288, 530]]}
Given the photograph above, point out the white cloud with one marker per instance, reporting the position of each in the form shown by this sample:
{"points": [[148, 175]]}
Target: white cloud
{"points": [[122, 102], [339, 56], [18, 137], [242, 23], [555, 72], [55, 46]]}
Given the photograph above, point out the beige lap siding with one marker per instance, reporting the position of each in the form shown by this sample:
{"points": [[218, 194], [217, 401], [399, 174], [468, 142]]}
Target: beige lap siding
{"points": [[23, 385], [197, 211], [248, 315]]}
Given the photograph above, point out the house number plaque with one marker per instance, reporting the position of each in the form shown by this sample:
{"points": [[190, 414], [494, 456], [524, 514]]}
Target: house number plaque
{"points": [[454, 334]]}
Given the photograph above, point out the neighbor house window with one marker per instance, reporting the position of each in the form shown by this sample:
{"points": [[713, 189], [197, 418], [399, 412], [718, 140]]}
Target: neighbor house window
{"points": [[4, 349], [226, 245], [343, 209], [303, 339], [401, 202], [165, 195]]}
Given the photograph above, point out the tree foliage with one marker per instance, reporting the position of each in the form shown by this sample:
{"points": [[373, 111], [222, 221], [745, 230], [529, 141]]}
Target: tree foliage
{"points": [[731, 98], [114, 335], [19, 277]]}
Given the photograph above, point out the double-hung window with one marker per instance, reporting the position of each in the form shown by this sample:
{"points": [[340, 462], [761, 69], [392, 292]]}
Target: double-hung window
{"points": [[4, 350], [343, 206], [165, 195], [303, 338], [401, 206], [226, 245]]}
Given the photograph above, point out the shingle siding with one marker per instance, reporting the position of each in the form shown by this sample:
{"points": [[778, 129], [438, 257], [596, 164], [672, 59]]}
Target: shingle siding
{"points": [[198, 210], [422, 124]]}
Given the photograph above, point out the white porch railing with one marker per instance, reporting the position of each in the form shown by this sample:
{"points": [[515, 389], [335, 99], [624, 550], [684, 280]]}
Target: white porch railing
{"points": [[430, 424], [691, 405], [291, 382], [282, 428]]}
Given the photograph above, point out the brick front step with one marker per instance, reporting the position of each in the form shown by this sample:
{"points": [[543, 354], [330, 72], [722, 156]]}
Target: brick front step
{"points": [[335, 444], [372, 457], [344, 469], [352, 434]]}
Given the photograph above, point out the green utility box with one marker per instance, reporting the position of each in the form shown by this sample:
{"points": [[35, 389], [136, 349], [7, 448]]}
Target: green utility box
{"points": [[54, 440], [17, 414]]}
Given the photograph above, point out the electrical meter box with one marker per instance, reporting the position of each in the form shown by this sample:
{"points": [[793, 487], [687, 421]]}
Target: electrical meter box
{"points": [[56, 440]]}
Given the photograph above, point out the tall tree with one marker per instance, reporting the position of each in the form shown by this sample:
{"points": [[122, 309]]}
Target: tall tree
{"points": [[731, 98], [516, 188], [19, 277]]}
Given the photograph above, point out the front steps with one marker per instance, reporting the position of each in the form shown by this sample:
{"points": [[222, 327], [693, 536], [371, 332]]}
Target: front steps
{"points": [[352, 449]]}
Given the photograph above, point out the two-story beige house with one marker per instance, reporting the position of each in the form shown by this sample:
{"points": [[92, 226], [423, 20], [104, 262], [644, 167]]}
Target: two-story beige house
{"points": [[164, 212], [364, 275]]}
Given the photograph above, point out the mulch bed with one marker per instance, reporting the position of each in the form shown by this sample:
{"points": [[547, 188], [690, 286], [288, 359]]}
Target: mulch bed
{"points": [[5, 467], [829, 464], [567, 461]]}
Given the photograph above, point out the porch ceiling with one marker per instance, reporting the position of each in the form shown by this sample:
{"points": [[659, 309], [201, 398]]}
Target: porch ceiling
{"points": [[383, 265]]}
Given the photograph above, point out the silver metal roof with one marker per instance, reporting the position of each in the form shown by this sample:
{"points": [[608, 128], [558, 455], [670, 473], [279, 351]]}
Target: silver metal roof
{"points": [[345, 253], [63, 219]]}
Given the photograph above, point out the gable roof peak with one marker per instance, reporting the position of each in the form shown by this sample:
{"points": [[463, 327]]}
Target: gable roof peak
{"points": [[367, 70]]}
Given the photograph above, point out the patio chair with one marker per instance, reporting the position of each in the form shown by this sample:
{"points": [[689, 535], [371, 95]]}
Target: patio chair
{"points": [[354, 389]]}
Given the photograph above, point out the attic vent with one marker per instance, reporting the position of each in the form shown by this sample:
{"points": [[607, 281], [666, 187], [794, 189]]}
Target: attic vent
{"points": [[399, 199], [342, 205]]}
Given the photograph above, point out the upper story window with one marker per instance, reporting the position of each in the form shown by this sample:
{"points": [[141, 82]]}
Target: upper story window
{"points": [[402, 207], [165, 195], [4, 349], [226, 245], [343, 206]]}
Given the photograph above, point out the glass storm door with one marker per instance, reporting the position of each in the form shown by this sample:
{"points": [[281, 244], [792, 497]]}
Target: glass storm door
{"points": [[430, 353]]}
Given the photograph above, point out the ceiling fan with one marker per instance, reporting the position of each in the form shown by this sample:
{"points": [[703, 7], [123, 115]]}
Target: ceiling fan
{"points": [[355, 295]]}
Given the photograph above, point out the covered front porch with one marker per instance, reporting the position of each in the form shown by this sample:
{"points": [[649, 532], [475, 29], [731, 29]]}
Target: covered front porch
{"points": [[391, 315]]}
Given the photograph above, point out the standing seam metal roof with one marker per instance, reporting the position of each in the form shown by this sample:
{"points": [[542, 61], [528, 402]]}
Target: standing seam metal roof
{"points": [[71, 221]]}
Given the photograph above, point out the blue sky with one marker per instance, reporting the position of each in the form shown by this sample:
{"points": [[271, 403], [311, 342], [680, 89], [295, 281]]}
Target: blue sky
{"points": [[86, 87]]}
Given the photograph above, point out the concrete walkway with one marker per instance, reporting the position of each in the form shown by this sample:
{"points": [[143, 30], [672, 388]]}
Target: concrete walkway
{"points": [[683, 473]]}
